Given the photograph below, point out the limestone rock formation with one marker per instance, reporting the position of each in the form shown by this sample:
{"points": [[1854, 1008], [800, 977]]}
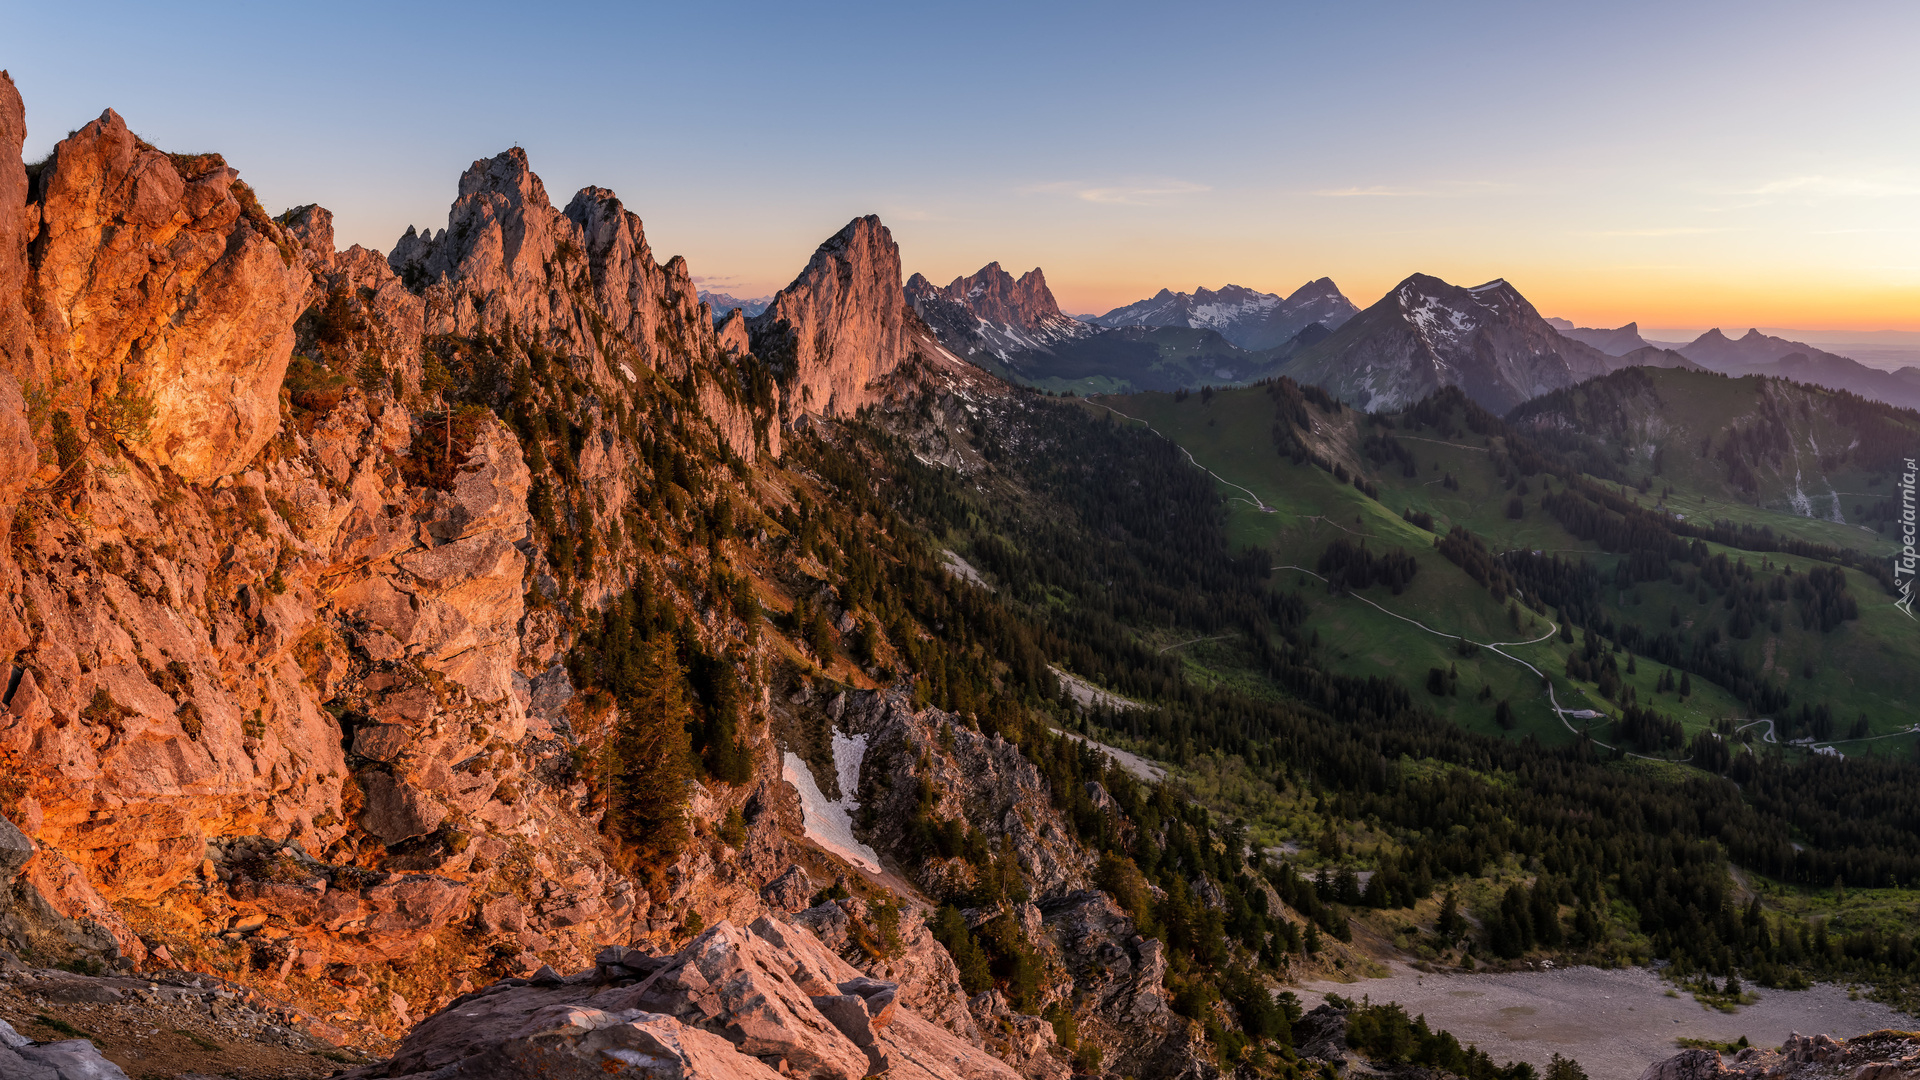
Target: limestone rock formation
{"points": [[1879, 1055], [747, 1002], [583, 283], [158, 278], [981, 779], [841, 326]]}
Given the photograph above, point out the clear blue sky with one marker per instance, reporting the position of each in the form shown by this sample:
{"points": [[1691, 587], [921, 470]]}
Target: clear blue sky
{"points": [[1683, 164]]}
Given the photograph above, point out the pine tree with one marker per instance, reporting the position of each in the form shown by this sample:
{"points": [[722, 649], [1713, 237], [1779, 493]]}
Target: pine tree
{"points": [[648, 761], [1686, 684], [1563, 1068], [1450, 924]]}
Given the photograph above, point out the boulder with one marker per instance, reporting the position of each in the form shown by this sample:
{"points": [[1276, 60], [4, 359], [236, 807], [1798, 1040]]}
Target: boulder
{"points": [[396, 810], [71, 1059], [15, 850], [1686, 1065], [754, 1002]]}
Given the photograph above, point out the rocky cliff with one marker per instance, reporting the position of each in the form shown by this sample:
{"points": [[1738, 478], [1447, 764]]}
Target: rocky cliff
{"points": [[840, 328]]}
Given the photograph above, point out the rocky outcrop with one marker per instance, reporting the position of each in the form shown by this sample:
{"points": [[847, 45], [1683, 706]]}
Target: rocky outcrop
{"points": [[753, 1002], [981, 780], [928, 981], [369, 314], [159, 282], [19, 222], [581, 283], [1880, 1055], [840, 327]]}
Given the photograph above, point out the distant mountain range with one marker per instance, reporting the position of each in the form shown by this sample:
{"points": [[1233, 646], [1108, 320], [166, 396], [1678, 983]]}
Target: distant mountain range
{"points": [[1244, 317], [991, 314], [1426, 334], [1423, 335], [723, 303], [1760, 354], [1618, 342], [1757, 353]]}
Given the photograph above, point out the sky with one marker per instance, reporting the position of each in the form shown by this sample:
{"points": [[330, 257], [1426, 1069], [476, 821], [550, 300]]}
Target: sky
{"points": [[1679, 164]]}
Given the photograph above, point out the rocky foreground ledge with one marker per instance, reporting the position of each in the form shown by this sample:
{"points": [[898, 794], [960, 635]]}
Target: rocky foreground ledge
{"points": [[763, 1002], [759, 1002], [1879, 1055]]}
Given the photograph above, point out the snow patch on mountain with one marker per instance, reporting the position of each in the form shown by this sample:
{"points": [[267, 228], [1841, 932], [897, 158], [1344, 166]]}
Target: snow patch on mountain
{"points": [[829, 822]]}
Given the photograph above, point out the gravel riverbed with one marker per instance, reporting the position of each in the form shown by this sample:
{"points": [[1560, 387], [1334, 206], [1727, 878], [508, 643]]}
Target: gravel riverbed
{"points": [[1614, 1022]]}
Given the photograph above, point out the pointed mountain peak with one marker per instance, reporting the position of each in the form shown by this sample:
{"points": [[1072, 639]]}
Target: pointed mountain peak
{"points": [[505, 173], [1314, 290], [1711, 337]]}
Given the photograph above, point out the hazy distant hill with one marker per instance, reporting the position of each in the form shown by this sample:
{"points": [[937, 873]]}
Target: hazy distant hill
{"points": [[1760, 354], [1617, 342], [1792, 447]]}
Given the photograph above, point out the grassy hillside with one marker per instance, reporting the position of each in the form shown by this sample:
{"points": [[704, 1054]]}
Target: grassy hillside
{"points": [[1725, 444], [1437, 466]]}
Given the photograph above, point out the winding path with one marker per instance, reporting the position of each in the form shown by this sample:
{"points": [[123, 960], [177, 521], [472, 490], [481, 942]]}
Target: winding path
{"points": [[1262, 507], [1165, 649], [1495, 646], [1552, 628]]}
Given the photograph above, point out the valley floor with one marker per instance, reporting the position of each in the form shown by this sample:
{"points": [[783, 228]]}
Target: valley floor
{"points": [[1613, 1022]]}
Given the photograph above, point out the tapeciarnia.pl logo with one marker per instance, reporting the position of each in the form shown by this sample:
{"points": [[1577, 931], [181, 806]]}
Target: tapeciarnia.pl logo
{"points": [[1904, 563]]}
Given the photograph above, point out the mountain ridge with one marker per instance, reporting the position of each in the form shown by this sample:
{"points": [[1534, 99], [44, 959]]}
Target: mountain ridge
{"points": [[1247, 318], [1426, 334]]}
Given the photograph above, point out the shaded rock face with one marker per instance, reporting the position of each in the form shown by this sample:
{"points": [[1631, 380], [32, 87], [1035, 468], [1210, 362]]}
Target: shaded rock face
{"points": [[748, 1002], [157, 277], [983, 780], [841, 326], [1097, 964]]}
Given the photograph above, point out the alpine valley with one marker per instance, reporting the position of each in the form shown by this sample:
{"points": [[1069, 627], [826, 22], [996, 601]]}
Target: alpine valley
{"points": [[495, 657]]}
